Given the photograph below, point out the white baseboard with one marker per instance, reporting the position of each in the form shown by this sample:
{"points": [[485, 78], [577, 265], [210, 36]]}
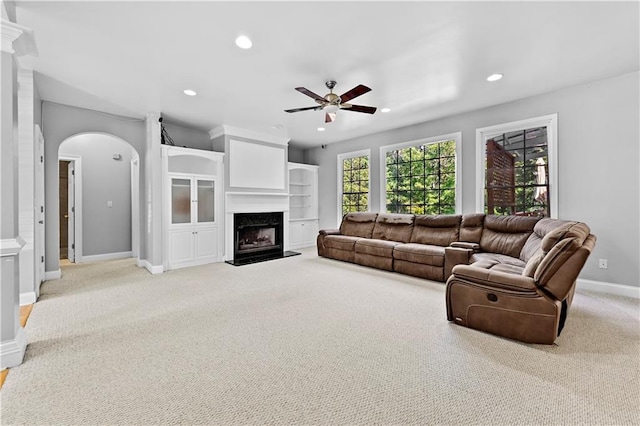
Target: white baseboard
{"points": [[608, 288], [12, 351], [154, 269], [52, 275], [27, 298], [107, 256]]}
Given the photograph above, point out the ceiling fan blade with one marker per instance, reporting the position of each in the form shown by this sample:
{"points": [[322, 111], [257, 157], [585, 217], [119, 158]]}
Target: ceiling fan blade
{"points": [[303, 109], [361, 108], [329, 117], [354, 93], [309, 93]]}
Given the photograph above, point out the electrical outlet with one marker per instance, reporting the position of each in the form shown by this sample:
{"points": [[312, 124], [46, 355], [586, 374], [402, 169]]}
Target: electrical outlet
{"points": [[602, 263]]}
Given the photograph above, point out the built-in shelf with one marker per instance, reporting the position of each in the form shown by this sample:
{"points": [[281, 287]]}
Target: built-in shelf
{"points": [[303, 205]]}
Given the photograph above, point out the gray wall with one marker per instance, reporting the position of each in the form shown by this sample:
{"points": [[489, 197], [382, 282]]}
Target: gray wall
{"points": [[598, 157], [105, 229], [60, 122], [187, 137], [296, 155]]}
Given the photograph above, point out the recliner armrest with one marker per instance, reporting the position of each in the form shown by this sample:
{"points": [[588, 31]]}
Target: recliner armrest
{"points": [[455, 256], [465, 245], [330, 231], [491, 278]]}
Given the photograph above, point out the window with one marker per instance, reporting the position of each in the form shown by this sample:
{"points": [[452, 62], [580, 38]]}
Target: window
{"points": [[420, 176], [517, 169], [353, 182]]}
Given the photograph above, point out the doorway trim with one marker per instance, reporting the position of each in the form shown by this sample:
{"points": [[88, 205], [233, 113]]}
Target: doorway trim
{"points": [[77, 224]]}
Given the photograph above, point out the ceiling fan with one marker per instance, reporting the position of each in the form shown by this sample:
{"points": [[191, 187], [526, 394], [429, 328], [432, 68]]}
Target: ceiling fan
{"points": [[331, 102]]}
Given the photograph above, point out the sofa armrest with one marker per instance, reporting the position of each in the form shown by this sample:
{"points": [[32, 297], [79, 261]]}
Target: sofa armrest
{"points": [[491, 278], [465, 245], [320, 240], [455, 256]]}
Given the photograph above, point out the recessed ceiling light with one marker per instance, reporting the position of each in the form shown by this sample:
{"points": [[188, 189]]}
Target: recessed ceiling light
{"points": [[189, 92], [321, 129], [244, 42], [385, 110], [495, 77]]}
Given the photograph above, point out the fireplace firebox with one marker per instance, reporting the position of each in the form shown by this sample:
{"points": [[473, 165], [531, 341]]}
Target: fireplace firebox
{"points": [[258, 237]]}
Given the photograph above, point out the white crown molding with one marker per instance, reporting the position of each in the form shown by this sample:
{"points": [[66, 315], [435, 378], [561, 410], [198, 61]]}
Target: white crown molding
{"points": [[18, 39], [225, 129]]}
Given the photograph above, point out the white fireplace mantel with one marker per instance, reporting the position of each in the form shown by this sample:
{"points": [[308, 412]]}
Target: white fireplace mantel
{"points": [[254, 202]]}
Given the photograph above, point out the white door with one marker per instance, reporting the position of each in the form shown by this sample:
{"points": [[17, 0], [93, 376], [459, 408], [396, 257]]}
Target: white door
{"points": [[39, 207], [71, 219]]}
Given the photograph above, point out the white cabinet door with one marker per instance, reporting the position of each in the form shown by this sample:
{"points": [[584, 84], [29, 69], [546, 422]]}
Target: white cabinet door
{"points": [[206, 243], [181, 245], [302, 233]]}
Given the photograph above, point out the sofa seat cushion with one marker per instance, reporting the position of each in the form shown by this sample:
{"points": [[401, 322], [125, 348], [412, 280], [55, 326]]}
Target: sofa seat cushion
{"points": [[420, 253], [341, 242], [376, 247], [498, 262]]}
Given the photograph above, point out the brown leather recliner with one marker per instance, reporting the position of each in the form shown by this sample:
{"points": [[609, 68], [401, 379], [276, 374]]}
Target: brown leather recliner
{"points": [[532, 306]]}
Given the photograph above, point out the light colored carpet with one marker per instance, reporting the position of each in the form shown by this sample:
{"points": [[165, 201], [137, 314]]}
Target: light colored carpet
{"points": [[306, 340]]}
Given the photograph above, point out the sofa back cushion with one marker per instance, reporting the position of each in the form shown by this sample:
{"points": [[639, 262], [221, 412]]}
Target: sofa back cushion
{"points": [[471, 227], [393, 227], [506, 234], [533, 245], [565, 249], [358, 224], [438, 230]]}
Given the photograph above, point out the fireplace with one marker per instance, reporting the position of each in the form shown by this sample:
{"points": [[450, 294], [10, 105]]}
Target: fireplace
{"points": [[257, 237]]}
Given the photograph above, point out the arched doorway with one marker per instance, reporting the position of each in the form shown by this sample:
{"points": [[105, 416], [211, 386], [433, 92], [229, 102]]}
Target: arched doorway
{"points": [[99, 201]]}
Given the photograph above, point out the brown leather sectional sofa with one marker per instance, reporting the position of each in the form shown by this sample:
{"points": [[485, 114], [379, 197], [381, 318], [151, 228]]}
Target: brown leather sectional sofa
{"points": [[513, 276]]}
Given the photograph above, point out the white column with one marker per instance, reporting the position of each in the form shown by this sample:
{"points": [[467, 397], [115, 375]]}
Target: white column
{"points": [[26, 196], [153, 195], [13, 341]]}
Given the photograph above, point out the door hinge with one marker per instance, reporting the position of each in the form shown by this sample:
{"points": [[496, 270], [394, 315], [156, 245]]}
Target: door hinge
{"points": [[73, 246], [41, 159], [73, 172], [41, 209], [73, 209], [41, 259]]}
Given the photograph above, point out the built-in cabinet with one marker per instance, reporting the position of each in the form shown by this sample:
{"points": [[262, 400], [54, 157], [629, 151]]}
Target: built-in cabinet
{"points": [[303, 205], [193, 216]]}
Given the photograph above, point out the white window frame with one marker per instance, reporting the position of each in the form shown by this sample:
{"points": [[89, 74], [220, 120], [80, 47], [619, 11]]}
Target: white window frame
{"points": [[485, 133], [341, 158], [456, 137]]}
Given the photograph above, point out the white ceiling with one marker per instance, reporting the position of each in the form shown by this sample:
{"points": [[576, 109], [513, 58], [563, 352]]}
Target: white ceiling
{"points": [[424, 60]]}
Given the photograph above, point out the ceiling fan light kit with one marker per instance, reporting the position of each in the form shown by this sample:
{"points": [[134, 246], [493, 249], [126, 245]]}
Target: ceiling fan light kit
{"points": [[331, 102]]}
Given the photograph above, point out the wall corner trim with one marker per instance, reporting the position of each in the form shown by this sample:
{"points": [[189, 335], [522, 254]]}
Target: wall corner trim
{"points": [[11, 246], [28, 298], [153, 269], [12, 351], [52, 275], [608, 288]]}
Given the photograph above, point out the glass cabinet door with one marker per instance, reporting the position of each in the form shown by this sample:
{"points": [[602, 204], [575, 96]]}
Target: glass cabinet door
{"points": [[180, 200], [206, 200]]}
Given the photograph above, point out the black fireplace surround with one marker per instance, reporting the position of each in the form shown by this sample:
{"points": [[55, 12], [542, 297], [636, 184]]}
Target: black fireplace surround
{"points": [[258, 237]]}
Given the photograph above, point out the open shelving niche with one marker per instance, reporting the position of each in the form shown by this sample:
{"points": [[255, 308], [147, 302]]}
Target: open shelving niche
{"points": [[303, 205]]}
